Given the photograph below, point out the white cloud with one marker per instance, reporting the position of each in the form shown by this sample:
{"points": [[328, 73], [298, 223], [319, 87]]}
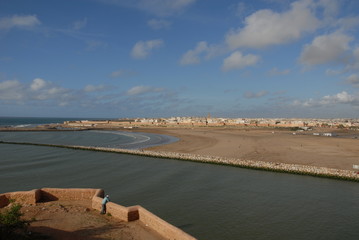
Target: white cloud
{"points": [[348, 23], [38, 90], [165, 7], [122, 73], [159, 24], [92, 45], [240, 8], [11, 90], [202, 50], [9, 84], [79, 24], [142, 49], [354, 80], [265, 27], [355, 63], [277, 72], [342, 97], [256, 94], [330, 7], [139, 90], [156, 7], [138, 100], [333, 72], [93, 88], [37, 84], [326, 48], [330, 100], [356, 54], [17, 21], [237, 61], [192, 56]]}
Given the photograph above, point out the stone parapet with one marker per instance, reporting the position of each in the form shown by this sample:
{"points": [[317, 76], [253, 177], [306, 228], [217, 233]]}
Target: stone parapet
{"points": [[161, 226], [53, 194], [23, 197], [128, 214]]}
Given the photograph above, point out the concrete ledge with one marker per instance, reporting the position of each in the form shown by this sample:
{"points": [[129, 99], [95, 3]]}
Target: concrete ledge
{"points": [[95, 196]]}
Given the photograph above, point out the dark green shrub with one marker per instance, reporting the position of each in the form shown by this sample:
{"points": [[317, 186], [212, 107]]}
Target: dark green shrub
{"points": [[11, 225], [11, 217]]}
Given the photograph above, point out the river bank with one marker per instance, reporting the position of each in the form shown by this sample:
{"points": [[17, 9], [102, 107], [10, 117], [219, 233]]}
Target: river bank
{"points": [[275, 149], [259, 165], [264, 145]]}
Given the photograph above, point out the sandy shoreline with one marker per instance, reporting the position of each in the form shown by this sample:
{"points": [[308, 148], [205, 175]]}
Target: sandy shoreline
{"points": [[263, 145], [258, 148]]}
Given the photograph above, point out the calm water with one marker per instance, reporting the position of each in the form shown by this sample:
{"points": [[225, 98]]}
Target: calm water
{"points": [[31, 121], [208, 201], [112, 139]]}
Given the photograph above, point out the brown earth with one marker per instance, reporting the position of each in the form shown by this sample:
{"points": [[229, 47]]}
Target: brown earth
{"points": [[257, 144], [76, 220], [265, 145]]}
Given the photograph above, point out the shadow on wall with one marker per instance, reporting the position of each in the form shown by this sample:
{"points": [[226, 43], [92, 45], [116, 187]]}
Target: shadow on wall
{"points": [[47, 197]]}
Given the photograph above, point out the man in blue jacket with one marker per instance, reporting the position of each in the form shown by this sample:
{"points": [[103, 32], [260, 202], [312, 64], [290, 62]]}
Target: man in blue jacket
{"points": [[104, 202]]}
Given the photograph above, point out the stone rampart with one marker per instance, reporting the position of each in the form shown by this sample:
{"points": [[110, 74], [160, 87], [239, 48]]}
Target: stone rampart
{"points": [[127, 214], [162, 227], [53, 194], [23, 197]]}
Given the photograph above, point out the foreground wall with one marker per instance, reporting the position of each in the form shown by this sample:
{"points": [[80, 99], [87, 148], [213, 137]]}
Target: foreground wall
{"points": [[95, 196]]}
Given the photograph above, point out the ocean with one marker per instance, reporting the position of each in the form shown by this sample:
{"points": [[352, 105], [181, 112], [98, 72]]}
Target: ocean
{"points": [[23, 122], [208, 201]]}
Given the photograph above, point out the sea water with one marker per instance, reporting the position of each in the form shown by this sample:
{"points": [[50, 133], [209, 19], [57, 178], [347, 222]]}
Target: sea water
{"points": [[23, 122]]}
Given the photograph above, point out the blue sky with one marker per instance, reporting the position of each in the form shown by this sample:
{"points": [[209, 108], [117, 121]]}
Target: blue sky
{"points": [[163, 58]]}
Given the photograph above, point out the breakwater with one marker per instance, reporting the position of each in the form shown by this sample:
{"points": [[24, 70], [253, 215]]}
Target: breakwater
{"points": [[258, 165]]}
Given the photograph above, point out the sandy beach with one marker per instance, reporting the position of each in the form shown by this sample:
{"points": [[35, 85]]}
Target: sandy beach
{"points": [[279, 146]]}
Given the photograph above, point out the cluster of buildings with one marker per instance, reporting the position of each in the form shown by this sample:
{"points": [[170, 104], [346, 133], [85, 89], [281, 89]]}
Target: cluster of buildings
{"points": [[209, 121]]}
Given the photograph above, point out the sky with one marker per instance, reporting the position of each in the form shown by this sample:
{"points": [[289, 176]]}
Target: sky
{"points": [[164, 58]]}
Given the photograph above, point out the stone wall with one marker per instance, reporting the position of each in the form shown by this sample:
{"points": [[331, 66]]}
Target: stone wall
{"points": [[53, 194], [127, 214], [23, 197], [95, 196], [162, 227]]}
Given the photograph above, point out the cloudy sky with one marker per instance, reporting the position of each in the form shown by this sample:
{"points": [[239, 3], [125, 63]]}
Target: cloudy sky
{"points": [[162, 58]]}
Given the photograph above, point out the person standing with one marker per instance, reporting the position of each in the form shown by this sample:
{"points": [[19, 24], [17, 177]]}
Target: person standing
{"points": [[104, 202]]}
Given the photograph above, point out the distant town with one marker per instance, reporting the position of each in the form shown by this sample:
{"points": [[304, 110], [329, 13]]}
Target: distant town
{"points": [[213, 121]]}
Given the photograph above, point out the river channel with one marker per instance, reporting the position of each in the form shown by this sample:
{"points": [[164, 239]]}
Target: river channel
{"points": [[208, 201]]}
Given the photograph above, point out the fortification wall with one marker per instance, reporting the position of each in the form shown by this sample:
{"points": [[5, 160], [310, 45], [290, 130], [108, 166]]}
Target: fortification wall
{"points": [[23, 197], [127, 214], [53, 194], [161, 226]]}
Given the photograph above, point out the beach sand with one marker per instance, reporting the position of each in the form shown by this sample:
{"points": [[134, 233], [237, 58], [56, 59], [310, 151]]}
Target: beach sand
{"points": [[263, 145]]}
